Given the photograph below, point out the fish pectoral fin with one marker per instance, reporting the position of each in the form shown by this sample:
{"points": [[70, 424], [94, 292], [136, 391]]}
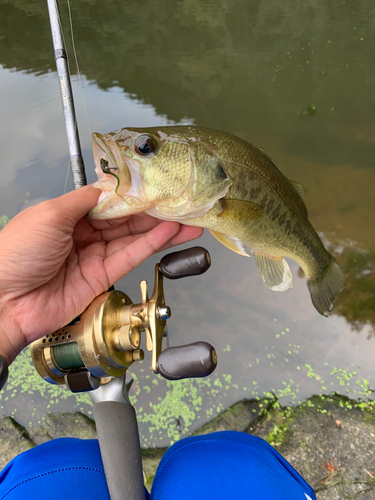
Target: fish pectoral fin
{"points": [[275, 272], [299, 188], [231, 242], [239, 209]]}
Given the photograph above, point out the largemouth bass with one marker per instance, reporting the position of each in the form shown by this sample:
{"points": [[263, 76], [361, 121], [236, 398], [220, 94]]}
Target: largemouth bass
{"points": [[212, 179]]}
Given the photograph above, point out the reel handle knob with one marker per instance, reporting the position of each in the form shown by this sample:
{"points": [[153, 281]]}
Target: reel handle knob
{"points": [[189, 262], [188, 361]]}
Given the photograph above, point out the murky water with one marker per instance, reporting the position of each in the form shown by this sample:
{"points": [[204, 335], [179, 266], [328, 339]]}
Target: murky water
{"points": [[296, 78]]}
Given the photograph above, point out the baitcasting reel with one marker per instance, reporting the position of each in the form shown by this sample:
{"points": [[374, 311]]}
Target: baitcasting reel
{"points": [[105, 340]]}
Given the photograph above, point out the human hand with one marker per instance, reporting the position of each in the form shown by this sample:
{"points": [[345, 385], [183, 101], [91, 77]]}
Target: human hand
{"points": [[54, 262]]}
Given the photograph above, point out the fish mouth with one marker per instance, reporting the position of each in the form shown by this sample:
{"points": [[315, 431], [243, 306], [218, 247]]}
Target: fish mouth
{"points": [[119, 180], [106, 181]]}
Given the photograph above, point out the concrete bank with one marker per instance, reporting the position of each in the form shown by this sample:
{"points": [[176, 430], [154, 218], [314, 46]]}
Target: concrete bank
{"points": [[329, 440]]}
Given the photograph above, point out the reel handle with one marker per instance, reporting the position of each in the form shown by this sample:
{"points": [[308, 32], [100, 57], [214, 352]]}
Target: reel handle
{"points": [[190, 262], [188, 361]]}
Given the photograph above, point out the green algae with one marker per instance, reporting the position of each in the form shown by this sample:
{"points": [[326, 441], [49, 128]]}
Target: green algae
{"points": [[172, 409], [24, 379], [279, 434], [3, 221], [308, 110], [182, 406]]}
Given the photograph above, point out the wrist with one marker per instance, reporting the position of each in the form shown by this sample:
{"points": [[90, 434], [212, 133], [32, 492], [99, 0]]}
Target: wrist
{"points": [[10, 336]]}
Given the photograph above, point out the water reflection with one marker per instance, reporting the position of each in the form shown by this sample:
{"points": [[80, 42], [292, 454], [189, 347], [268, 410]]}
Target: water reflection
{"points": [[250, 68], [237, 65], [357, 302]]}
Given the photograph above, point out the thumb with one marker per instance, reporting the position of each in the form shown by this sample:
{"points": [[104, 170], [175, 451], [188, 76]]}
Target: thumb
{"points": [[76, 204]]}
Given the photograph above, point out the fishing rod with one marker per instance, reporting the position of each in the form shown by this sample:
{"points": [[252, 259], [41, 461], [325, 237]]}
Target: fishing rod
{"points": [[94, 352], [76, 160], [115, 417]]}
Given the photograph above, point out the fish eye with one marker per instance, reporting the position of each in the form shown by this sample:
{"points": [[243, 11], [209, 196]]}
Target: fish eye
{"points": [[145, 145]]}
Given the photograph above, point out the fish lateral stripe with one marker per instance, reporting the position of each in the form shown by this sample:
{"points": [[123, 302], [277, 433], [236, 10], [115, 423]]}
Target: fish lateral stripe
{"points": [[255, 192], [282, 219], [275, 214]]}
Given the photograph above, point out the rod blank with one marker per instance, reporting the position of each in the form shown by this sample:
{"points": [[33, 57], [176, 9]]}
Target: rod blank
{"points": [[76, 160]]}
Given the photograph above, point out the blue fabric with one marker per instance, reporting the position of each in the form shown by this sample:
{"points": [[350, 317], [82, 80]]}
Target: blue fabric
{"points": [[64, 469], [230, 465], [227, 465]]}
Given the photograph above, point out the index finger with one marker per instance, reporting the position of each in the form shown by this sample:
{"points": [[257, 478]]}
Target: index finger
{"points": [[125, 258]]}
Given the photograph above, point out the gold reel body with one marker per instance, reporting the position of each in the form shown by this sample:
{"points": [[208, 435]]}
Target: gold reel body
{"points": [[92, 340]]}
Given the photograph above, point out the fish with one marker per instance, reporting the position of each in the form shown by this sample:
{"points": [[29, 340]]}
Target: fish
{"points": [[215, 180]]}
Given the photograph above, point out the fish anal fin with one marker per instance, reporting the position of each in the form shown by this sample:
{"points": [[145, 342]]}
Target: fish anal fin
{"points": [[275, 272], [231, 242], [299, 188], [239, 209]]}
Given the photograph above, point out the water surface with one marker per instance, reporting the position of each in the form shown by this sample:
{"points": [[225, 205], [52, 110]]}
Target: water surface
{"points": [[296, 78]]}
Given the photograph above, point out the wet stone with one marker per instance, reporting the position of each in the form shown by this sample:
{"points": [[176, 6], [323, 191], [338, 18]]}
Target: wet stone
{"points": [[71, 424], [14, 440], [150, 461], [39, 435], [238, 417], [330, 442]]}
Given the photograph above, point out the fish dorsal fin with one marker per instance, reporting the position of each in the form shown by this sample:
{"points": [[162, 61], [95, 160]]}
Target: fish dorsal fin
{"points": [[299, 188], [262, 150], [245, 210], [231, 242], [275, 272]]}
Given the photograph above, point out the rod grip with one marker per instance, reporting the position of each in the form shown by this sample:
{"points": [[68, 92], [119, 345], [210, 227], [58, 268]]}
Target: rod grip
{"points": [[189, 262], [117, 429], [187, 361]]}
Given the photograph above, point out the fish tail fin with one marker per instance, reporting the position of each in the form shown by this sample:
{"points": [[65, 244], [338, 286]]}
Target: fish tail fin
{"points": [[326, 287]]}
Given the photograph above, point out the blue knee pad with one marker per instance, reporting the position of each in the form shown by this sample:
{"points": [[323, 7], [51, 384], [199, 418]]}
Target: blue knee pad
{"points": [[64, 469], [227, 465], [224, 465]]}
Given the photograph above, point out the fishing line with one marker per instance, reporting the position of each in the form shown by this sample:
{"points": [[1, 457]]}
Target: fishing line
{"points": [[67, 177], [79, 79], [67, 61], [76, 60]]}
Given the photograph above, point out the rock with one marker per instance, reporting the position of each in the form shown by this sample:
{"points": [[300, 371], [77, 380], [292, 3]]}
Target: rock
{"points": [[239, 417], [39, 435], [72, 424], [330, 442], [150, 461], [14, 440]]}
